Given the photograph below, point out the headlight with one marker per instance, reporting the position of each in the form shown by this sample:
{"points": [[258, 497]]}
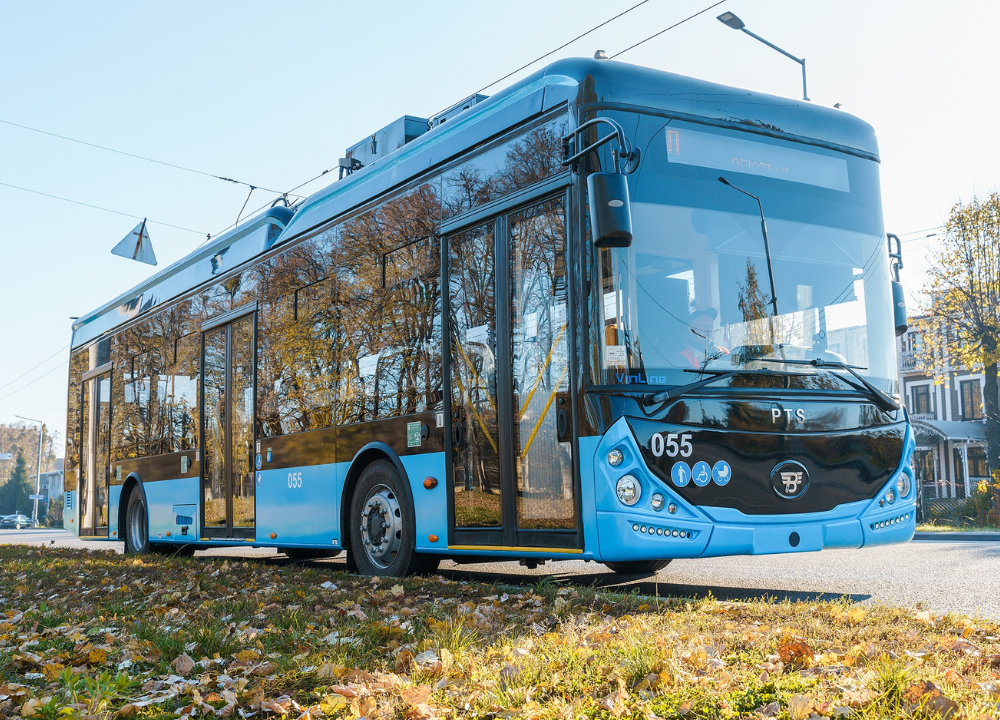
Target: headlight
{"points": [[903, 485], [615, 458], [656, 501], [890, 496], [629, 490]]}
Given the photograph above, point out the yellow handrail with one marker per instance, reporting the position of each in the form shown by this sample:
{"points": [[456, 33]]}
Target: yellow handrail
{"points": [[472, 369], [538, 425], [472, 407], [548, 359]]}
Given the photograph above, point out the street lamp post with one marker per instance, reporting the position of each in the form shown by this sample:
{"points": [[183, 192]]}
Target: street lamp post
{"points": [[38, 470], [730, 20]]}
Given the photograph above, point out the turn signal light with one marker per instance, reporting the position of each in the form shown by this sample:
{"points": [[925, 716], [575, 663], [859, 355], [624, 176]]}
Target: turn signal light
{"points": [[274, 535], [430, 482], [432, 538]]}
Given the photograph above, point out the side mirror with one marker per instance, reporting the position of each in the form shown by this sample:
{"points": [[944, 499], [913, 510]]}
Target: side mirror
{"points": [[898, 298], [610, 209], [898, 307]]}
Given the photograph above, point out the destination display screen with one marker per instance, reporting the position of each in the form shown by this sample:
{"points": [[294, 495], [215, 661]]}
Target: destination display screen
{"points": [[753, 157]]}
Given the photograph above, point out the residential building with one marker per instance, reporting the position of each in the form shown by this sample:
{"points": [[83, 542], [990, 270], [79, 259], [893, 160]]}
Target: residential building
{"points": [[948, 422]]}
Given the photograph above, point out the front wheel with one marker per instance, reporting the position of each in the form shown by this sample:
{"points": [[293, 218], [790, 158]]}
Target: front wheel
{"points": [[382, 524], [637, 567], [136, 525]]}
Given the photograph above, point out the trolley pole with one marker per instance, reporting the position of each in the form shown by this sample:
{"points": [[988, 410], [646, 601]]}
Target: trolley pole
{"points": [[38, 470]]}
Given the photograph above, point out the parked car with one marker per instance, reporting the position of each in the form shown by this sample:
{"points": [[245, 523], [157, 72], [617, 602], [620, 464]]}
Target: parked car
{"points": [[16, 521]]}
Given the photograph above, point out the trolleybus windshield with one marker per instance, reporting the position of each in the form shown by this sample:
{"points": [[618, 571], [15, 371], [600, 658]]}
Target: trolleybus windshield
{"points": [[693, 291]]}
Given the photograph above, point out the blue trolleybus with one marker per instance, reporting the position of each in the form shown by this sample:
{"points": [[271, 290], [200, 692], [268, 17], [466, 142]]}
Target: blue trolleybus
{"points": [[609, 313]]}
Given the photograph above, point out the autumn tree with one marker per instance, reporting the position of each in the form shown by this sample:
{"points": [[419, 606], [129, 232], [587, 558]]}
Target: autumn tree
{"points": [[14, 493], [962, 327]]}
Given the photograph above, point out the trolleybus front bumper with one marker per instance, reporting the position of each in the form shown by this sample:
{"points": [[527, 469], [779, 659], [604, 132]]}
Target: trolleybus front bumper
{"points": [[625, 533]]}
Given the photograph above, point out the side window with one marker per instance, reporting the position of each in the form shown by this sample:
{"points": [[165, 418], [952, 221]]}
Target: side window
{"points": [[516, 163], [297, 352], [181, 393], [390, 329]]}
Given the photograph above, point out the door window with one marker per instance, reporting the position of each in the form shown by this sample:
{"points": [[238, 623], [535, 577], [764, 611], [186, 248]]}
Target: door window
{"points": [[227, 470]]}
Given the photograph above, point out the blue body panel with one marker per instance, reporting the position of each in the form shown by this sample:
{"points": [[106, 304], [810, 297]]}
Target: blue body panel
{"points": [[114, 504], [160, 500], [301, 506], [630, 533], [430, 507]]}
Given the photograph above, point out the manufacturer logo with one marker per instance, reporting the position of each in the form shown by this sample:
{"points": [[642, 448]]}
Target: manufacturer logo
{"points": [[789, 416], [790, 479]]}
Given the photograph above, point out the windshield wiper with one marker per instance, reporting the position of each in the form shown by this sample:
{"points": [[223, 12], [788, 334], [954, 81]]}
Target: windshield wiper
{"points": [[717, 375], [882, 400]]}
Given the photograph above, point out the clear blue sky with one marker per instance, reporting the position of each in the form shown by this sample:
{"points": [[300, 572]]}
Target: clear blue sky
{"points": [[272, 93]]}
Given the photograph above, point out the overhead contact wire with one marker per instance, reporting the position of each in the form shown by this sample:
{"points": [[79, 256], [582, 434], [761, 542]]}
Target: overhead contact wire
{"points": [[135, 156], [676, 24], [98, 207]]}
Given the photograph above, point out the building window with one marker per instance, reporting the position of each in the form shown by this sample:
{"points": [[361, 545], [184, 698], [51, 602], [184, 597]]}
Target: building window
{"points": [[920, 400], [977, 464], [972, 399]]}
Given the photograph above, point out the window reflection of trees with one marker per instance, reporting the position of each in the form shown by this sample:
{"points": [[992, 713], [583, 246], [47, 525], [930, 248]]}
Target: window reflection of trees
{"points": [[349, 326], [539, 312]]}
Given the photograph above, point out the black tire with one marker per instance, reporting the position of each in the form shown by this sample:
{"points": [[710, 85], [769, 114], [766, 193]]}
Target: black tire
{"points": [[136, 534], [637, 567], [382, 525], [427, 564]]}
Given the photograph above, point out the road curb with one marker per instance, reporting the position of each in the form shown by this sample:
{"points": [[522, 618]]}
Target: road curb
{"points": [[958, 536]]}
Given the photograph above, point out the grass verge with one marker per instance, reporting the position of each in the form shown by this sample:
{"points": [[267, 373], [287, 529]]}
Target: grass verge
{"points": [[942, 526], [98, 635]]}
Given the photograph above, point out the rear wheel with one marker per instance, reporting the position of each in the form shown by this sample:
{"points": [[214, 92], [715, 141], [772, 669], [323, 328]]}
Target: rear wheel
{"points": [[382, 525], [136, 525], [637, 567]]}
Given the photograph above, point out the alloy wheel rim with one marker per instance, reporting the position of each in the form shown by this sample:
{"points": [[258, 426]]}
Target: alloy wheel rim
{"points": [[381, 526]]}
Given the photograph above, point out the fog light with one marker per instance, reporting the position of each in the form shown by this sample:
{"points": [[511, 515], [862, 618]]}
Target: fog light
{"points": [[903, 485], [890, 497], [615, 458], [628, 489], [656, 501], [671, 508]]}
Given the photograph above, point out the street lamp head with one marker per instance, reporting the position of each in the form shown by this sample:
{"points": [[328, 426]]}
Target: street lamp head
{"points": [[728, 18]]}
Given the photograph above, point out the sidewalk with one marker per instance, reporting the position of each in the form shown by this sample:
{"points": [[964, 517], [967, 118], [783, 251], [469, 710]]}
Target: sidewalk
{"points": [[957, 536]]}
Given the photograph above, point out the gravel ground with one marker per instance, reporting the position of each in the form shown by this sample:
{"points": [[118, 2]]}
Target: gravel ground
{"points": [[939, 576]]}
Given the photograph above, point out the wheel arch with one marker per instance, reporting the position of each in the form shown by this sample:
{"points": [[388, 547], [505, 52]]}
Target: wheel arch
{"points": [[368, 454], [132, 482]]}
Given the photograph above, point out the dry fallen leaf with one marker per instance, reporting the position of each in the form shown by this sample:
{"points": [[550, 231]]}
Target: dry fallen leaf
{"points": [[183, 665], [800, 707], [796, 654], [926, 697], [415, 694]]}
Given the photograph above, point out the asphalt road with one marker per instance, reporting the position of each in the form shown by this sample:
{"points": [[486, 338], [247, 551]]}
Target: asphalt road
{"points": [[939, 576]]}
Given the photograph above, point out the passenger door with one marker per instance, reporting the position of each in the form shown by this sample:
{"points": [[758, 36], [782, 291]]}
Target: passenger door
{"points": [[227, 436], [512, 482], [95, 460]]}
